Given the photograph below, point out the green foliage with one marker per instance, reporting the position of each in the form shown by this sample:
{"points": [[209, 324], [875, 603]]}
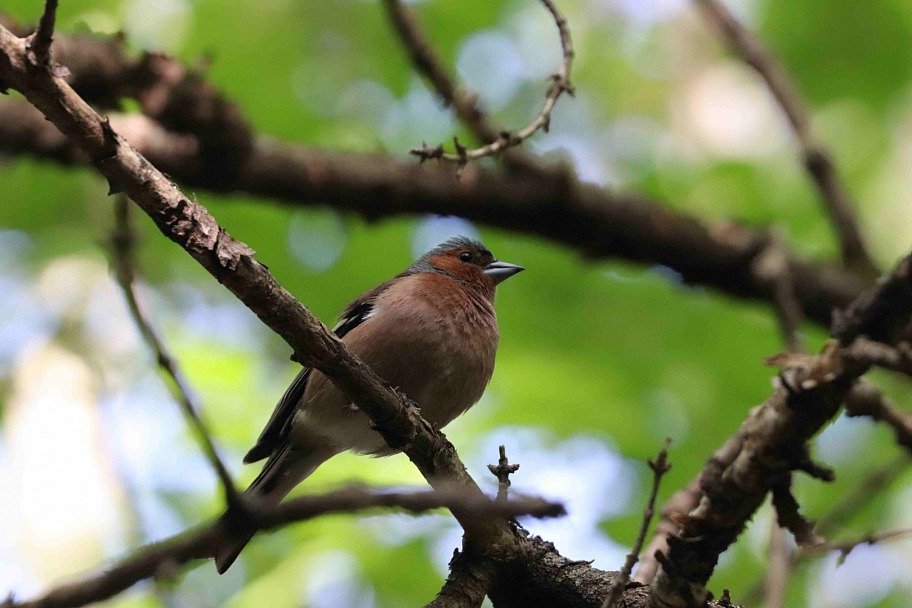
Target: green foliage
{"points": [[622, 353]]}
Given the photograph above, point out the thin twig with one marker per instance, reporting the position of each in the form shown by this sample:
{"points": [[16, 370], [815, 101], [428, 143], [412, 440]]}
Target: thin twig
{"points": [[775, 584], [502, 471], [816, 159], [39, 44], [845, 547], [429, 63], [680, 504], [878, 481], [771, 266], [867, 400], [860, 497], [198, 543], [122, 246], [659, 467], [507, 139]]}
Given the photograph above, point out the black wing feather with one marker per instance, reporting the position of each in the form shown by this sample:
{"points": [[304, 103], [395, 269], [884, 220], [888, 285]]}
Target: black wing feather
{"points": [[272, 439]]}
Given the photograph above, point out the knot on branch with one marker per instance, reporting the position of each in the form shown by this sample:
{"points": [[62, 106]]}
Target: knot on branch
{"points": [[38, 45]]}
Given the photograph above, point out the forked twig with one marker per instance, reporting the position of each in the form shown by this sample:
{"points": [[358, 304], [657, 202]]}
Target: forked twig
{"points": [[560, 83]]}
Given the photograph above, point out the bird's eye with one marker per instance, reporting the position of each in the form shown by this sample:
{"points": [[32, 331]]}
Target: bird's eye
{"points": [[466, 256]]}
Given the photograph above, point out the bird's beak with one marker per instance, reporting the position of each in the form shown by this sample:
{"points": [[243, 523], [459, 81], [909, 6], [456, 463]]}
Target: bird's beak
{"points": [[501, 271]]}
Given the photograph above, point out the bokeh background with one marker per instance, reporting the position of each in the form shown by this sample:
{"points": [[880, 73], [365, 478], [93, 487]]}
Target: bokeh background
{"points": [[599, 361]]}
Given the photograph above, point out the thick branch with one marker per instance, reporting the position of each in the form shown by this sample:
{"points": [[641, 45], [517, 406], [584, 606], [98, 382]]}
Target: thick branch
{"points": [[816, 159], [467, 583], [772, 443], [596, 222]]}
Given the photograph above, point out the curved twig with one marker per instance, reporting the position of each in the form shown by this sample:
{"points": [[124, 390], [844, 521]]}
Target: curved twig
{"points": [[560, 83]]}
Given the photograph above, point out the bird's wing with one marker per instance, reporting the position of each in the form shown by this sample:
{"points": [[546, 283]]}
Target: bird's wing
{"points": [[272, 439]]}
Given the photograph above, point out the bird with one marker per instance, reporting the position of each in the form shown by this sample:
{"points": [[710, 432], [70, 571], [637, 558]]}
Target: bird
{"points": [[430, 331]]}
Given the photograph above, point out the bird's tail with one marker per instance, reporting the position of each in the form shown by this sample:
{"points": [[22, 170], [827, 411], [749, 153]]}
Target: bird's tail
{"points": [[234, 537], [283, 471]]}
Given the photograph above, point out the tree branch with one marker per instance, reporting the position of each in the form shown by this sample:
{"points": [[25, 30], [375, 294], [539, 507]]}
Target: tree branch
{"points": [[502, 471], [772, 441], [846, 546], [468, 581], [39, 43], [848, 506], [428, 63], [816, 159], [198, 543], [593, 221], [772, 266]]}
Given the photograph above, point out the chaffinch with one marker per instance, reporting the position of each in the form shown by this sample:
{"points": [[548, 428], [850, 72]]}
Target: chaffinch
{"points": [[431, 331]]}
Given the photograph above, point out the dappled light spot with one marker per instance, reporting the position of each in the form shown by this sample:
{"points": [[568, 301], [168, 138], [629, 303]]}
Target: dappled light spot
{"points": [[649, 13], [416, 117], [729, 112], [158, 24], [435, 229], [334, 581], [490, 65], [316, 238], [868, 575]]}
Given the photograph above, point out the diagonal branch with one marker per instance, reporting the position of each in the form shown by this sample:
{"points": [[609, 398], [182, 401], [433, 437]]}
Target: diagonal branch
{"points": [[866, 400], [816, 158], [772, 442], [468, 581], [847, 546], [231, 262], [122, 246]]}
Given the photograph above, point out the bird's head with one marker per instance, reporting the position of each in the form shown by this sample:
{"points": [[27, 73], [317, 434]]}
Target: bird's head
{"points": [[470, 261]]}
